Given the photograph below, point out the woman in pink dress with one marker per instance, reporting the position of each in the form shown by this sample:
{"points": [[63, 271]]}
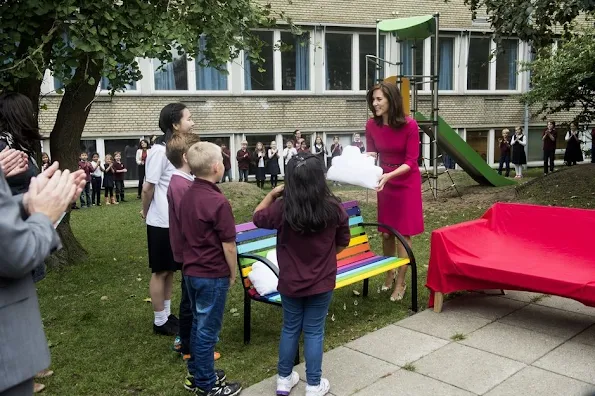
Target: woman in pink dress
{"points": [[393, 137]]}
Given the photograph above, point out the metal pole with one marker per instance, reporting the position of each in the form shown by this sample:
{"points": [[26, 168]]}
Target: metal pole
{"points": [[527, 87], [413, 84], [436, 73]]}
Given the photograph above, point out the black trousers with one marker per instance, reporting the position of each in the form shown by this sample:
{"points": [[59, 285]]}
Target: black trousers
{"points": [[185, 318], [548, 155], [119, 190], [96, 193], [274, 179], [504, 159], [141, 179]]}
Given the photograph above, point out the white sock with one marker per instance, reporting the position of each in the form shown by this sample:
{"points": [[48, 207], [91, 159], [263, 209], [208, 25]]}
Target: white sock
{"points": [[167, 307], [160, 318]]}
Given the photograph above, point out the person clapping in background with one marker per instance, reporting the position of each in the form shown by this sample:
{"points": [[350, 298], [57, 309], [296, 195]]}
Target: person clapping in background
{"points": [[573, 153]]}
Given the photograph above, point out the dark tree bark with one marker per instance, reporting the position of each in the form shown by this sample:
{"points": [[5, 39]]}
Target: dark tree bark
{"points": [[65, 146]]}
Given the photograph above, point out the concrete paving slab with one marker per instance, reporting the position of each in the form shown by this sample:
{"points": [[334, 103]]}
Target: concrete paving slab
{"points": [[512, 342], [572, 360], [567, 304], [445, 324], [533, 381], [407, 383], [397, 345], [554, 322], [467, 368], [521, 295], [586, 337], [490, 307], [349, 371]]}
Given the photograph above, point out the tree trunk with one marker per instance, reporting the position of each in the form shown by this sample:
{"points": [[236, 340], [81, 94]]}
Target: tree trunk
{"points": [[65, 147]]}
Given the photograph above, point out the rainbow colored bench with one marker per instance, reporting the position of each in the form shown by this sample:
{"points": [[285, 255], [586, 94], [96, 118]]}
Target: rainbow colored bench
{"points": [[354, 264]]}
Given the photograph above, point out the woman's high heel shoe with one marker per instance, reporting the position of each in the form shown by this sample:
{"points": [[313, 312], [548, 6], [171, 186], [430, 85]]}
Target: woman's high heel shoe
{"points": [[387, 288], [399, 295]]}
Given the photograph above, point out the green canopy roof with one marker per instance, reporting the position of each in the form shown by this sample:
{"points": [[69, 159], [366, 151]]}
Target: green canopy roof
{"points": [[412, 28]]}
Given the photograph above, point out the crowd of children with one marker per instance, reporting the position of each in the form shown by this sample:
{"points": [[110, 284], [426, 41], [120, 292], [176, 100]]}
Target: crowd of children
{"points": [[265, 161], [197, 233]]}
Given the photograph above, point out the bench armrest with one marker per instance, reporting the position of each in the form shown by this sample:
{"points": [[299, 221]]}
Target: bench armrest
{"points": [[399, 237], [261, 259]]}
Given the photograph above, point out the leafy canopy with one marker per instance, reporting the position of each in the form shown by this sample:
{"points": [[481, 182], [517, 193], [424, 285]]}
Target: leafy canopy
{"points": [[64, 35], [562, 79]]}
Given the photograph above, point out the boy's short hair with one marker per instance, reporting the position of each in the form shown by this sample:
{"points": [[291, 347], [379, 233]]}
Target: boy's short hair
{"points": [[83, 152], [505, 130], [117, 153], [245, 142], [201, 157], [178, 145]]}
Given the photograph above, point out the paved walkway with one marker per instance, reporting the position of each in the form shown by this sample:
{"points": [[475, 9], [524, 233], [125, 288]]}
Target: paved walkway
{"points": [[518, 344]]}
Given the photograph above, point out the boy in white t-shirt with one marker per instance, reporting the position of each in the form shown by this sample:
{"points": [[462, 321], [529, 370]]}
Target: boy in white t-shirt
{"points": [[174, 118]]}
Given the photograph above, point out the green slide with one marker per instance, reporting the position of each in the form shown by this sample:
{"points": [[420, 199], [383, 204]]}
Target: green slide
{"points": [[452, 144]]}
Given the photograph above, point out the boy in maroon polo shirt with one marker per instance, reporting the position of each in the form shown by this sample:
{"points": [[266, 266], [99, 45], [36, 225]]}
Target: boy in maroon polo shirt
{"points": [[86, 166], [181, 180], [243, 157], [210, 261]]}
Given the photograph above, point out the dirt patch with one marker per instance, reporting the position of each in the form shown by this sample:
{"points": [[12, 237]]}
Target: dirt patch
{"points": [[570, 186]]}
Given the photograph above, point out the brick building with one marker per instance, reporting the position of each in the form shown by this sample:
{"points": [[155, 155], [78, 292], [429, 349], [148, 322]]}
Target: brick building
{"points": [[319, 85]]}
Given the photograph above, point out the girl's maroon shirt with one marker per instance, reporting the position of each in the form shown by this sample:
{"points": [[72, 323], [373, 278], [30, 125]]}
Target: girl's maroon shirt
{"points": [[307, 262]]}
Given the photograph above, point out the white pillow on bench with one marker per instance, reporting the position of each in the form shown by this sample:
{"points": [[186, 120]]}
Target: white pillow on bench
{"points": [[262, 278]]}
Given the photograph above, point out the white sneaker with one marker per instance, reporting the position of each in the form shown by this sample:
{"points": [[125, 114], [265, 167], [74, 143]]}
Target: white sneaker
{"points": [[320, 390], [285, 384]]}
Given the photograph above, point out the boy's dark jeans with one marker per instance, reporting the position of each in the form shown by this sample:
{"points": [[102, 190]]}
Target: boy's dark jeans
{"points": [[86, 195], [96, 193], [504, 159], [244, 175], [207, 298], [119, 190], [186, 318], [226, 175], [548, 155]]}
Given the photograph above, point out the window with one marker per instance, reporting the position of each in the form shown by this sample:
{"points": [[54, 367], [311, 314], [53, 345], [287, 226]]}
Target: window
{"points": [[506, 65], [171, 76], [446, 62], [367, 46], [478, 64], [295, 62], [105, 85], [338, 60], [260, 77], [208, 78], [407, 57], [535, 144], [478, 140], [127, 148], [252, 140]]}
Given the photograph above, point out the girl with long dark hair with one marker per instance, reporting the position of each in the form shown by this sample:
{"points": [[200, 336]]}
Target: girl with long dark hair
{"points": [[308, 215], [174, 118], [19, 131]]}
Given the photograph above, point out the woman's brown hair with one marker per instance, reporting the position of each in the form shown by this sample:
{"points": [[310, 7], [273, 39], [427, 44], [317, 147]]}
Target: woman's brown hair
{"points": [[396, 113]]}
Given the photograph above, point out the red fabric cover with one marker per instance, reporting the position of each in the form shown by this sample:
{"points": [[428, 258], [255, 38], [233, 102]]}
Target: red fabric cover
{"points": [[517, 247]]}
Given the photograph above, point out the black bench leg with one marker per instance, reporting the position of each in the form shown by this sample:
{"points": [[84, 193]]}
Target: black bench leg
{"points": [[247, 318], [413, 286], [365, 288]]}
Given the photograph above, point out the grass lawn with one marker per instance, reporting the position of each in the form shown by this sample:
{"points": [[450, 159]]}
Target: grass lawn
{"points": [[100, 328]]}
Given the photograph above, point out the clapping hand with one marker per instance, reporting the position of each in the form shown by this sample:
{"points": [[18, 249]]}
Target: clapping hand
{"points": [[13, 162]]}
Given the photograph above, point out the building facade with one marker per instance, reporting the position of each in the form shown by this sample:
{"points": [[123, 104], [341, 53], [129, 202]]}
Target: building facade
{"points": [[319, 85]]}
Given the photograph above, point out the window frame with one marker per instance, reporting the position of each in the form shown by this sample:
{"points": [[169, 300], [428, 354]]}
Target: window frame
{"points": [[427, 53], [277, 65], [492, 68], [355, 64]]}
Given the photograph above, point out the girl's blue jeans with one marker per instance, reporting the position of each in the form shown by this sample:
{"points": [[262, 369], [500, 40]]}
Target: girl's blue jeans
{"points": [[307, 314]]}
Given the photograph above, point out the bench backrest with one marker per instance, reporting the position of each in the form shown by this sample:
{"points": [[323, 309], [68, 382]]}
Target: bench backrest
{"points": [[260, 241]]}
